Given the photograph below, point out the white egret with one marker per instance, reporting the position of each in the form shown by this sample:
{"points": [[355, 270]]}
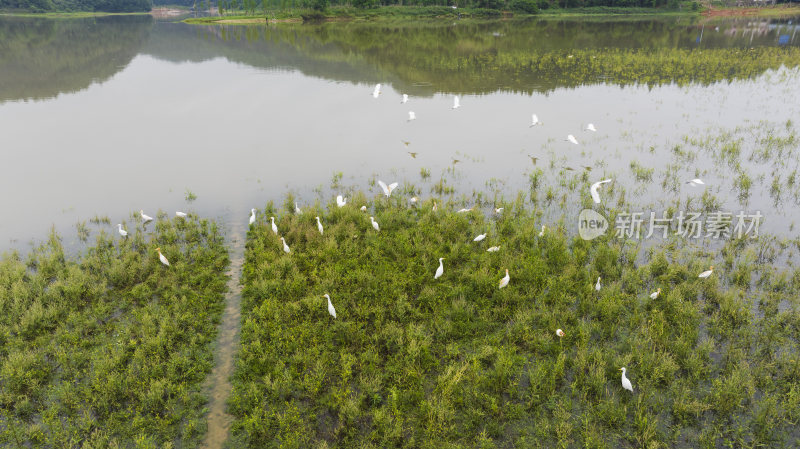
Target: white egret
{"points": [[479, 237], [374, 224], [655, 294], [560, 333], [456, 103], [331, 310], [593, 190], [340, 201], [405, 99], [590, 127], [387, 190], [572, 139], [493, 249], [411, 116], [498, 210], [274, 227], [626, 384], [319, 225], [285, 246], [145, 218], [706, 273], [363, 208], [252, 216], [162, 258], [434, 207], [439, 270], [121, 231], [297, 209], [413, 200], [503, 282], [181, 214], [461, 211], [377, 91], [597, 286], [534, 121], [696, 182], [541, 233]]}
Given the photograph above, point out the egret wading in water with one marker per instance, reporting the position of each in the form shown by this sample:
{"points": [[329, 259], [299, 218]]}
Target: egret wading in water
{"points": [[405, 99], [252, 216], [479, 238], [534, 121], [387, 190], [411, 116], [593, 190], [274, 227], [121, 231], [439, 270], [319, 226], [181, 214], [162, 258], [590, 127], [374, 224], [597, 286], [493, 249], [285, 246], [456, 103], [571, 138], [376, 91], [655, 294], [503, 282], [626, 384], [696, 182], [706, 273], [145, 218], [340, 201], [331, 310]]}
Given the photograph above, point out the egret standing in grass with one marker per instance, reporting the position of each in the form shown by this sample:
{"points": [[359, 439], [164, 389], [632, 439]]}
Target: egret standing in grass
{"points": [[464, 210], [456, 103], [363, 208], [597, 286], [706, 273], [331, 310], [493, 249], [503, 282], [340, 201], [593, 190], [411, 116], [534, 121], [655, 294], [479, 237], [374, 224], [121, 231], [387, 190], [376, 91], [252, 216], [285, 246], [695, 182], [162, 258], [439, 270], [319, 226], [297, 209], [180, 214], [590, 127], [498, 210], [560, 333], [571, 138], [145, 218], [626, 384], [274, 227], [541, 233]]}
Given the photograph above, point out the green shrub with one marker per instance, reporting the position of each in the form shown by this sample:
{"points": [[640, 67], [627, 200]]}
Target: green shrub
{"points": [[525, 6]]}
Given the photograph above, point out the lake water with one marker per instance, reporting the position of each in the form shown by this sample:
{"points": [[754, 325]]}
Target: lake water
{"points": [[106, 116]]}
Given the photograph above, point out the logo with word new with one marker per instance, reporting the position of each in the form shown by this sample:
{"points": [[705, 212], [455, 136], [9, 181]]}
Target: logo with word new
{"points": [[591, 224]]}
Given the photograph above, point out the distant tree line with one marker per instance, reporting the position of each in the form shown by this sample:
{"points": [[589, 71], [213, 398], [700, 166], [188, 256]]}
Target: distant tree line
{"points": [[77, 5]]}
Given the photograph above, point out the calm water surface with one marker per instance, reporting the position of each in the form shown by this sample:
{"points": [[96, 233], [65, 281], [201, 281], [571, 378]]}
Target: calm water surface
{"points": [[110, 115]]}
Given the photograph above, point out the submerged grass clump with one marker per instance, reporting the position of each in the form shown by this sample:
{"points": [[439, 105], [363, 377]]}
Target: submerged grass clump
{"points": [[413, 361], [110, 349]]}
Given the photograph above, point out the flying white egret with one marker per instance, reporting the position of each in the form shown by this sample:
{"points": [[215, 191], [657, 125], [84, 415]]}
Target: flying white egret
{"points": [[274, 227], [696, 182], [439, 270], [374, 224], [285, 246], [626, 384], [534, 121], [331, 310], [145, 218], [411, 116], [456, 103], [572, 139], [181, 214], [405, 99], [297, 209], [541, 233], [655, 294], [479, 237], [706, 273], [162, 258], [340, 201], [377, 91], [493, 249], [252, 216], [593, 190], [503, 282], [560, 333], [319, 225], [121, 231], [387, 190], [363, 208], [597, 286], [590, 127], [498, 210]]}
